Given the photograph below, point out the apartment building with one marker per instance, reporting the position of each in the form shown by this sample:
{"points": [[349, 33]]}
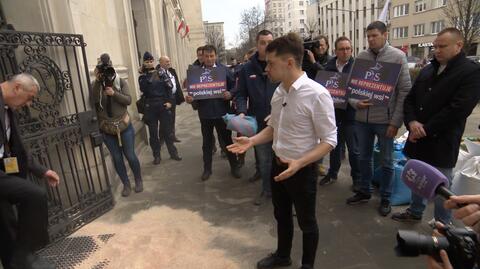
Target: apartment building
{"points": [[283, 16], [415, 23]]}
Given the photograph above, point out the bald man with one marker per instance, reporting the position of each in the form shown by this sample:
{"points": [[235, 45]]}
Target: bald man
{"points": [[164, 62], [435, 111]]}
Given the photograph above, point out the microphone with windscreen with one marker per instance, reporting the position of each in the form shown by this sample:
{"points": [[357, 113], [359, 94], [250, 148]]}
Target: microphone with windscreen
{"points": [[425, 180]]}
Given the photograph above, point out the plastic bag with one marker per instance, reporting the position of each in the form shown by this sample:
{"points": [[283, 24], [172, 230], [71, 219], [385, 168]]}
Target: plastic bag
{"points": [[246, 126]]}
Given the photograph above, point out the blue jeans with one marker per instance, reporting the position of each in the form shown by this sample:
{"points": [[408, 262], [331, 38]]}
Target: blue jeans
{"points": [[418, 204], [264, 154], [346, 134], [366, 133], [128, 149]]}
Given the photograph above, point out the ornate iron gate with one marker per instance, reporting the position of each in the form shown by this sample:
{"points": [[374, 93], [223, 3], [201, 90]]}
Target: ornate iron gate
{"points": [[60, 128]]}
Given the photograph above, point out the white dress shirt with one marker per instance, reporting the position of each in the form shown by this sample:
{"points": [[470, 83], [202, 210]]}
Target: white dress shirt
{"points": [[8, 132], [301, 118], [174, 83]]}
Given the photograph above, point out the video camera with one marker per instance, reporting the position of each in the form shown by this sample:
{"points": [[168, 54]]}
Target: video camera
{"points": [[307, 66], [106, 72], [309, 44], [461, 245]]}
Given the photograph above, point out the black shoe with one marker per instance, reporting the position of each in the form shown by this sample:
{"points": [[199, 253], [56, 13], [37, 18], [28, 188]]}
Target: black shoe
{"points": [[306, 267], [206, 175], [138, 185], [262, 198], [327, 180], [255, 177], [176, 157], [176, 140], [126, 190], [156, 160], [272, 261], [385, 208], [406, 216], [358, 198], [235, 172]]}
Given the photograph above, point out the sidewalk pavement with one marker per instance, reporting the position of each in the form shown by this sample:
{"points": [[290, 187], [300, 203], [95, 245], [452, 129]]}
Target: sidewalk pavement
{"points": [[182, 222]]}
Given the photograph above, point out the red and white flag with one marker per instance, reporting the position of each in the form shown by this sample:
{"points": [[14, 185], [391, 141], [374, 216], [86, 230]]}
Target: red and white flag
{"points": [[187, 30], [181, 26]]}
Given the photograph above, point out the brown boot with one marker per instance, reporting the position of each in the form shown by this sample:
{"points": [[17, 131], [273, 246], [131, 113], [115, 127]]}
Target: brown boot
{"points": [[126, 190], [138, 185]]}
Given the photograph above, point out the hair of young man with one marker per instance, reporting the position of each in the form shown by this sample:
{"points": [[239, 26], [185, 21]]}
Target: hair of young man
{"points": [[377, 25], [340, 39], [454, 32], [209, 48], [263, 32], [290, 44], [26, 80]]}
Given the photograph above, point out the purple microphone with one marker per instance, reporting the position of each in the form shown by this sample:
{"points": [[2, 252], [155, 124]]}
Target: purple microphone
{"points": [[425, 180]]}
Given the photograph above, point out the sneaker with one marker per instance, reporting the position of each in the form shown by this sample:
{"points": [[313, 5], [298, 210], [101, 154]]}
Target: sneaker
{"points": [[327, 180], [235, 171], [272, 261], [262, 198], [406, 216], [322, 171], [385, 208], [358, 198], [206, 175]]}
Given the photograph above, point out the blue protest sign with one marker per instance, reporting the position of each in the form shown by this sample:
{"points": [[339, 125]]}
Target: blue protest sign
{"points": [[205, 83], [336, 84], [375, 81]]}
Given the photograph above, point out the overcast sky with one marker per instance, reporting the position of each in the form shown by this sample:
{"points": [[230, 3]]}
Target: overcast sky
{"points": [[228, 11]]}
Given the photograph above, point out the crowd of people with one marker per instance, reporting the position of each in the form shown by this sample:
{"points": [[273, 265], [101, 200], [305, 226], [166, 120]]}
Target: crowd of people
{"points": [[297, 127]]}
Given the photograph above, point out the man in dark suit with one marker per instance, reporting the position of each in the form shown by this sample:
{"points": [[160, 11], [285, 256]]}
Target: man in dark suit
{"points": [[20, 239], [436, 109], [210, 112], [164, 62]]}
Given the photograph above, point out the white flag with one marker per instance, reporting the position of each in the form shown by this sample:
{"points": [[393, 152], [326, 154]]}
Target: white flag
{"points": [[383, 16]]}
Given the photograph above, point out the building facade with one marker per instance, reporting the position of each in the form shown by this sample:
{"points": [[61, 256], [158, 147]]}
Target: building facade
{"points": [[415, 23], [348, 18], [284, 16]]}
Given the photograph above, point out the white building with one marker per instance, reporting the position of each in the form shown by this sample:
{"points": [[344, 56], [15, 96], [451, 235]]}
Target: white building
{"points": [[283, 16]]}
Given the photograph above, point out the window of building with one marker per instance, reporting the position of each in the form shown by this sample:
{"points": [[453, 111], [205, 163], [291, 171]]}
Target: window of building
{"points": [[400, 10], [300, 3], [419, 30], [343, 18], [302, 12], [400, 32], [302, 21], [290, 23], [274, 5], [302, 30], [364, 12], [436, 26], [279, 4], [420, 5], [289, 15], [438, 3]]}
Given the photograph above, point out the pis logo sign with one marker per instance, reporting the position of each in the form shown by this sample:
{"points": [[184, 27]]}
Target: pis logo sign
{"points": [[206, 76], [373, 73], [333, 81]]}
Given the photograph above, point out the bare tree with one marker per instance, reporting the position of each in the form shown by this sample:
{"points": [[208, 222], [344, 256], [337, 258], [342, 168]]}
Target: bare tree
{"points": [[250, 20], [465, 15], [312, 27], [214, 37]]}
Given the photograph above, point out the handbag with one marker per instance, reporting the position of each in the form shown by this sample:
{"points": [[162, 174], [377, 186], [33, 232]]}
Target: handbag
{"points": [[115, 126], [141, 105]]}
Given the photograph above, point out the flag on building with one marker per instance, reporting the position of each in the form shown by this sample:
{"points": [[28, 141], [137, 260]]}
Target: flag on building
{"points": [[384, 15], [181, 26]]}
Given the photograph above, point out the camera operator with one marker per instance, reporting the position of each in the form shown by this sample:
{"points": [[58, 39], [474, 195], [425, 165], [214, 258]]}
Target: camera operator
{"points": [[468, 214], [112, 98], [316, 56], [157, 88]]}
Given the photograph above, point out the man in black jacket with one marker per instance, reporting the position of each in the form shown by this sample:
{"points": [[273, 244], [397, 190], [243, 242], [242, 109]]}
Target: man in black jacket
{"points": [[345, 120], [435, 111], [164, 63], [256, 89], [19, 240], [210, 112]]}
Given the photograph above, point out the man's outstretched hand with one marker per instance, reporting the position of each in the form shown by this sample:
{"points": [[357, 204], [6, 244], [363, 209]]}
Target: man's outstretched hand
{"points": [[240, 145]]}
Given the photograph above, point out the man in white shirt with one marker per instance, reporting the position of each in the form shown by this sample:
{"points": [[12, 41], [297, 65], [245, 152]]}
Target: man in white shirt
{"points": [[302, 114]]}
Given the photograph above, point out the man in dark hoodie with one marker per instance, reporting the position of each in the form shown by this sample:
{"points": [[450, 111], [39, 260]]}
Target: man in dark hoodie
{"points": [[345, 119], [210, 112], [256, 89]]}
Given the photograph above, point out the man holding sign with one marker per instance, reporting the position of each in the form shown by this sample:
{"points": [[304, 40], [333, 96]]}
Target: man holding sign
{"points": [[380, 118], [344, 116], [209, 89]]}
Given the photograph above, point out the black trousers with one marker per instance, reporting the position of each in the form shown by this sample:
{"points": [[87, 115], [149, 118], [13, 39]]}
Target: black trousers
{"points": [[29, 233], [158, 118], [299, 190], [208, 141]]}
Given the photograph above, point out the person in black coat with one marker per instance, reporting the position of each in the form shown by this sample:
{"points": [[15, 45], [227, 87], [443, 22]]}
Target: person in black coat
{"points": [[345, 120], [210, 112], [20, 239], [157, 88], [164, 62], [435, 112]]}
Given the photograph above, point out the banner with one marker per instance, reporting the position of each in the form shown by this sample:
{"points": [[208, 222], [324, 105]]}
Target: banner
{"points": [[375, 81], [336, 84], [206, 83]]}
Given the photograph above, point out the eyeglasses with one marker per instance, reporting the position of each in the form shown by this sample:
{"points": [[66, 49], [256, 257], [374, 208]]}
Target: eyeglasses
{"points": [[344, 49]]}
